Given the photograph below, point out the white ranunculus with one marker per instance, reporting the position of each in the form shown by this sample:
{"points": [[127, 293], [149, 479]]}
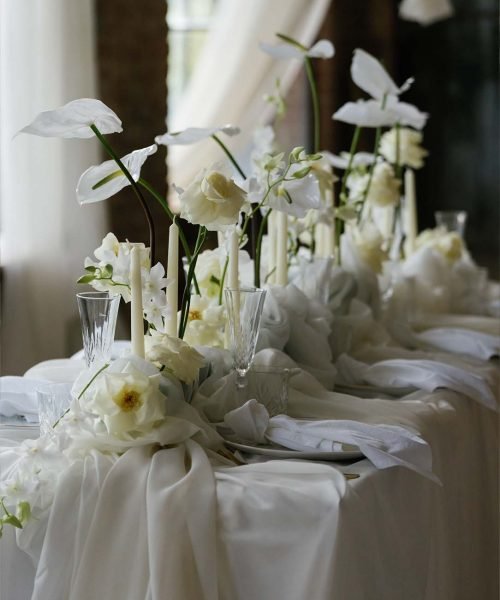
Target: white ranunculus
{"points": [[410, 151], [107, 179], [447, 243], [126, 397], [191, 135], [369, 244], [368, 74], [73, 120], [321, 49], [177, 356], [213, 199], [206, 323], [385, 187]]}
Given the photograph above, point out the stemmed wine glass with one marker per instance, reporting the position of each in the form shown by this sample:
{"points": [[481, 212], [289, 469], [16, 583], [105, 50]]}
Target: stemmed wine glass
{"points": [[244, 307]]}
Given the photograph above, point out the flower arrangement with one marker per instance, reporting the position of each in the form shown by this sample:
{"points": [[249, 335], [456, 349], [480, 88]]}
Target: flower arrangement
{"points": [[290, 194]]}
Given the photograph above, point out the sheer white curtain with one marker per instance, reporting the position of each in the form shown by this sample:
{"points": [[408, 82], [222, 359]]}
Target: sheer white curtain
{"points": [[46, 59], [233, 74]]}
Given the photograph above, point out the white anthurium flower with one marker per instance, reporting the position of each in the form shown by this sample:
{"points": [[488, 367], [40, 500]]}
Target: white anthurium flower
{"points": [[342, 161], [213, 199], [178, 357], [410, 153], [105, 180], [126, 397], [425, 12], [206, 323], [191, 135], [369, 113], [321, 49], [73, 120], [369, 75]]}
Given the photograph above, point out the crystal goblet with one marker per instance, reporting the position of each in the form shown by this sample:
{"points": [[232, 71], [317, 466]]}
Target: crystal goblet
{"points": [[244, 308]]}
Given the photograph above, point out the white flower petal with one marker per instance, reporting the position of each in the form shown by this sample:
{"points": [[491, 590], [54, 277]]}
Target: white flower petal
{"points": [[191, 135], [407, 114], [305, 194], [365, 113], [368, 74], [85, 191], [73, 120], [342, 161], [425, 12], [321, 49], [282, 51]]}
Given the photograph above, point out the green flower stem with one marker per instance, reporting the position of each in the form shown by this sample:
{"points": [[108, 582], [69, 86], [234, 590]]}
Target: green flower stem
{"points": [[378, 133], [163, 203], [256, 274], [186, 296], [315, 103], [135, 187], [222, 279], [229, 155], [94, 377]]}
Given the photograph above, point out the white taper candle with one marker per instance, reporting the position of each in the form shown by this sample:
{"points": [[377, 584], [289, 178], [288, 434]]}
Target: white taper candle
{"points": [[233, 260], [173, 274], [136, 311], [410, 214]]}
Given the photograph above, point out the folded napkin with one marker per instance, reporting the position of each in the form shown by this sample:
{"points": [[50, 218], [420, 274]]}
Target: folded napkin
{"points": [[427, 375], [461, 341], [18, 397], [385, 445]]}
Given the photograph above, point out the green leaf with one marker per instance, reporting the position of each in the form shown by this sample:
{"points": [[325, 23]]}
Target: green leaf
{"points": [[86, 279], [106, 272], [91, 269], [13, 520]]}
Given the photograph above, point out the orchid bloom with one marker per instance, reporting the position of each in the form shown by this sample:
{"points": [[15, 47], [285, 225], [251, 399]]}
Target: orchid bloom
{"points": [[73, 120], [425, 12], [191, 135], [105, 180], [292, 49], [369, 75]]}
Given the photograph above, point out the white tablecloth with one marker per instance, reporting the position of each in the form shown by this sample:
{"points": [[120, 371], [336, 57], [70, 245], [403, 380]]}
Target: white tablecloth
{"points": [[285, 529]]}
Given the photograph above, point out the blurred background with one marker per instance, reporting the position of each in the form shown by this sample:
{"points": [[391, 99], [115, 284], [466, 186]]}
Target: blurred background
{"points": [[182, 63]]}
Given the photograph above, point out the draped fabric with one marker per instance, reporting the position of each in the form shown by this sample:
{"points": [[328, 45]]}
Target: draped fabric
{"points": [[232, 76], [46, 60]]}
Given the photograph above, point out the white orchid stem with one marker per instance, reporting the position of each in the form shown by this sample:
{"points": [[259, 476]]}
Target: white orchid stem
{"points": [[135, 187]]}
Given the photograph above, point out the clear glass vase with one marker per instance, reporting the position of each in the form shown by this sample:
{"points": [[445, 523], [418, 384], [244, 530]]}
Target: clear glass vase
{"points": [[452, 220], [98, 311], [244, 309]]}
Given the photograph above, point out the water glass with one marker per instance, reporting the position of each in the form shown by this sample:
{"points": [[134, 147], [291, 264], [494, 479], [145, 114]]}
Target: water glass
{"points": [[53, 401], [244, 309], [452, 220], [98, 311], [269, 386]]}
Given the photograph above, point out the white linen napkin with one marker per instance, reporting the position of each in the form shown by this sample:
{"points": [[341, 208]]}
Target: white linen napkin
{"points": [[18, 397], [427, 375], [385, 445], [461, 341]]}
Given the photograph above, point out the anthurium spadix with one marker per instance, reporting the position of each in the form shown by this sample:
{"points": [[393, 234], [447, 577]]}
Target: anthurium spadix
{"points": [[73, 120], [103, 181], [369, 75], [292, 49], [191, 135]]}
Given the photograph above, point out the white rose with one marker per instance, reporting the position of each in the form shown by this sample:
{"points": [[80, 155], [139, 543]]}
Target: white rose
{"points": [[178, 357], [447, 243], [212, 200], [205, 323], [411, 153], [385, 187], [126, 397]]}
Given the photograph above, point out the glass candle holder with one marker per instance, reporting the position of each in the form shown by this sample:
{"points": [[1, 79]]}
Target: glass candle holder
{"points": [[452, 220], [98, 311]]}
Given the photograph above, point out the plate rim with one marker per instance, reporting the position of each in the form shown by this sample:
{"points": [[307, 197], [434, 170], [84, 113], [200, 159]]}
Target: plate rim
{"points": [[297, 454]]}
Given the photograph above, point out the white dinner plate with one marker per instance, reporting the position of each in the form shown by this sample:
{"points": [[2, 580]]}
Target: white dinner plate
{"points": [[278, 452]]}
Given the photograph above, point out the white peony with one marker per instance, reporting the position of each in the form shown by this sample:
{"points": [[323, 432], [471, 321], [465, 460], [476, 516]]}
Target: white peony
{"points": [[213, 199], [178, 357], [410, 152]]}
